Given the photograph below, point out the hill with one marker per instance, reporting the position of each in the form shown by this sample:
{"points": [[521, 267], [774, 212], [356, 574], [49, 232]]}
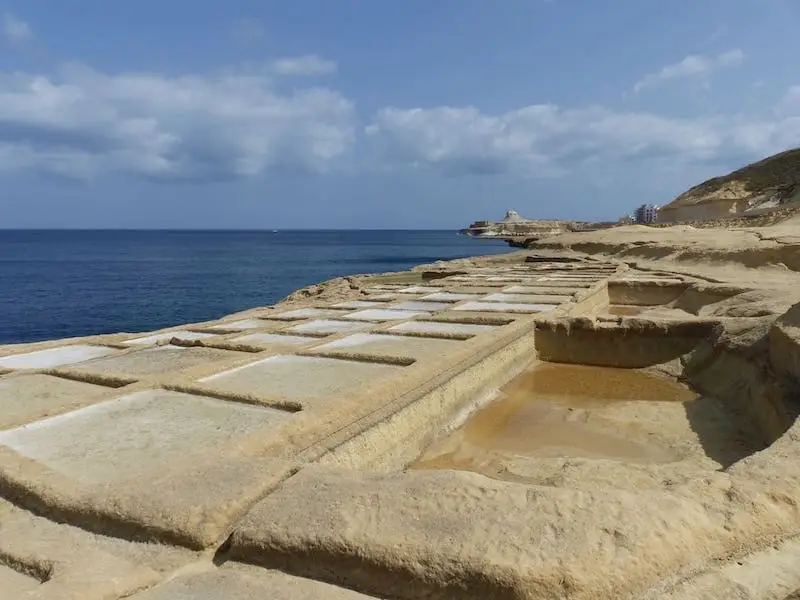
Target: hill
{"points": [[762, 185]]}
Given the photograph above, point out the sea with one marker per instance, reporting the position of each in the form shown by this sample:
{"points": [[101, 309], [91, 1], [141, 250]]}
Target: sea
{"points": [[66, 283]]}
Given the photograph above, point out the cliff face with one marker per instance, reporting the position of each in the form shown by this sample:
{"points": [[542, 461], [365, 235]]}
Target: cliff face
{"points": [[763, 185]]}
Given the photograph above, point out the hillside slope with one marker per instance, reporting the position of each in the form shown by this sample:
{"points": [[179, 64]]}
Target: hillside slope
{"points": [[768, 183]]}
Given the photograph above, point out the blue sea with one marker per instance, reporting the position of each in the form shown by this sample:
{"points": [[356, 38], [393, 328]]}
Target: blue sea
{"points": [[56, 284]]}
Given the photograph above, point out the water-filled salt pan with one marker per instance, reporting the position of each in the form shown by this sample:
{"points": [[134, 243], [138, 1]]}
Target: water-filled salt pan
{"points": [[328, 326], [163, 337], [54, 357], [379, 314], [300, 376], [431, 327], [505, 307]]}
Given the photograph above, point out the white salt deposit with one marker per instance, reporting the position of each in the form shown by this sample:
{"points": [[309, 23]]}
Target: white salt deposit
{"points": [[509, 307], [431, 327], [54, 357], [328, 326]]}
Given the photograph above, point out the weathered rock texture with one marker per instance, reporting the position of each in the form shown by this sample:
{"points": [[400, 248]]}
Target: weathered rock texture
{"points": [[765, 185]]}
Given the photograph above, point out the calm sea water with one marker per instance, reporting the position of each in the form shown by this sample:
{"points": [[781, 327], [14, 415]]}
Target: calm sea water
{"points": [[56, 284]]}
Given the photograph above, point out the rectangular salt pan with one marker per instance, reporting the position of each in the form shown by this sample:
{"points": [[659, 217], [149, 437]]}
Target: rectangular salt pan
{"points": [[328, 326], [509, 307], [352, 304], [240, 325], [419, 289], [300, 376], [525, 299], [54, 357], [420, 305], [32, 396], [274, 339], [524, 289], [449, 297], [126, 437], [164, 337], [391, 345], [301, 313], [378, 314], [158, 360], [431, 327]]}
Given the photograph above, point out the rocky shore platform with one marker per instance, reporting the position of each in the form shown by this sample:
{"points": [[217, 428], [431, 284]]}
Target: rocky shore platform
{"points": [[605, 415]]}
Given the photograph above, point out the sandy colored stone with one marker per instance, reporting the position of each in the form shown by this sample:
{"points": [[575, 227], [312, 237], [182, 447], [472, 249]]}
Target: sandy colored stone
{"points": [[156, 361], [26, 398], [243, 582], [440, 534]]}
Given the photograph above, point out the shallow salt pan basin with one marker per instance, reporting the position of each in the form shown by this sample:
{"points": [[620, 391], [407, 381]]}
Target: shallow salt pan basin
{"points": [[129, 436], [240, 325], [358, 304], [525, 299], [300, 376], [378, 314], [505, 307], [419, 289], [34, 396], [391, 345], [449, 297], [534, 290], [420, 305], [382, 297], [328, 326], [557, 277], [158, 360], [431, 327], [165, 337], [274, 339], [301, 313], [55, 357]]}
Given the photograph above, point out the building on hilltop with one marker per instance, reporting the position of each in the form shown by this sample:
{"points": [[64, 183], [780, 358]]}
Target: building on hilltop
{"points": [[646, 213], [512, 216]]}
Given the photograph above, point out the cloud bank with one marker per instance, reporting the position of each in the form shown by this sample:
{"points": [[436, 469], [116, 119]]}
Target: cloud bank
{"points": [[80, 122], [546, 140]]}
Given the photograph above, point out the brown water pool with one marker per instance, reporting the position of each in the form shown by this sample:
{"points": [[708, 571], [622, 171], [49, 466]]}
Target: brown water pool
{"points": [[575, 411]]}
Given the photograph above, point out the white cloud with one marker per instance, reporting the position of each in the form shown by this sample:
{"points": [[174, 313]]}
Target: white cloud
{"points": [[695, 65], [80, 122], [309, 64], [14, 30], [546, 140]]}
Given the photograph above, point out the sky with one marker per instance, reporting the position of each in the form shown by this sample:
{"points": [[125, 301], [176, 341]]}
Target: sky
{"points": [[387, 114]]}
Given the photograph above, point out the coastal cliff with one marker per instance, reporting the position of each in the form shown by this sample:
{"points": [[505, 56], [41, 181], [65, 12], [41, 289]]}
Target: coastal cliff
{"points": [[766, 185]]}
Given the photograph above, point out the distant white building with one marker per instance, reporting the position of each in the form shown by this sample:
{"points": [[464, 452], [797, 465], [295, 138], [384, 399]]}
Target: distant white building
{"points": [[646, 213]]}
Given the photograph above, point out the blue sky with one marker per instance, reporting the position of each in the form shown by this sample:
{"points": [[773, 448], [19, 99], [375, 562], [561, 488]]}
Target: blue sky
{"points": [[381, 113]]}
